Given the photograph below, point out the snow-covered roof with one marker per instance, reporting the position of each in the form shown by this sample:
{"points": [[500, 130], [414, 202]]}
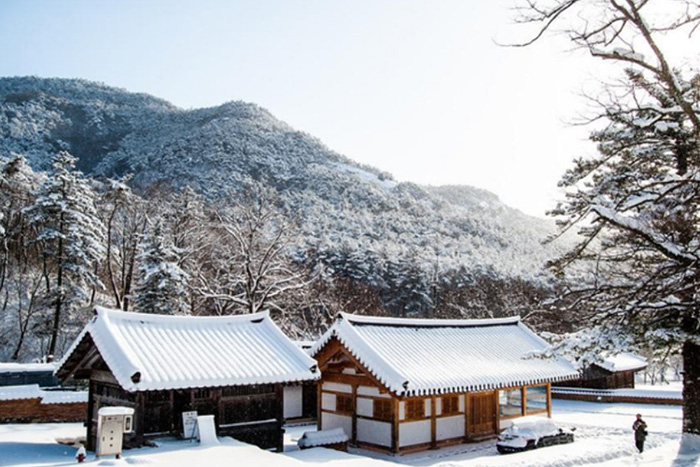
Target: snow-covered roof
{"points": [[33, 391], [26, 391], [157, 352], [418, 357], [623, 362], [323, 438], [8, 367]]}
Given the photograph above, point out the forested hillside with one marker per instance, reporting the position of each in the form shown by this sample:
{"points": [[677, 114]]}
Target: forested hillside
{"points": [[229, 210]]}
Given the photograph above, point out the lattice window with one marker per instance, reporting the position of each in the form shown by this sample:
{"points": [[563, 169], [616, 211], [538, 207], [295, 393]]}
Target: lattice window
{"points": [[343, 404], [450, 405], [415, 409], [381, 409], [202, 393]]}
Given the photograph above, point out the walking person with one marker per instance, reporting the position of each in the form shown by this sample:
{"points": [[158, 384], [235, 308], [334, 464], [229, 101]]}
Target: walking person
{"points": [[640, 432]]}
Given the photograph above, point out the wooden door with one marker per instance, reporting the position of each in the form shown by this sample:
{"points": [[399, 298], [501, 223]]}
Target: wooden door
{"points": [[481, 415]]}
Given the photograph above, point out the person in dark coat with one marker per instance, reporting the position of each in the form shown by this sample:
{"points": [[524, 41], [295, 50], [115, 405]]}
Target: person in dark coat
{"points": [[640, 432]]}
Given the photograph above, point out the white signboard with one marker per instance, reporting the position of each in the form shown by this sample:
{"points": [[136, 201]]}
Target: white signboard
{"points": [[189, 424]]}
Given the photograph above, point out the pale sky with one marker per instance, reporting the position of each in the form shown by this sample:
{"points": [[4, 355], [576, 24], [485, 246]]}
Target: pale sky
{"points": [[416, 88]]}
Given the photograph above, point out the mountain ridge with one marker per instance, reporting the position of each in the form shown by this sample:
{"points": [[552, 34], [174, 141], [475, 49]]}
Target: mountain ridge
{"points": [[341, 205]]}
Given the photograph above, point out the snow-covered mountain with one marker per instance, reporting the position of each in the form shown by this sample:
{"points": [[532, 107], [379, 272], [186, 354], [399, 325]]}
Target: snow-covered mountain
{"points": [[345, 209]]}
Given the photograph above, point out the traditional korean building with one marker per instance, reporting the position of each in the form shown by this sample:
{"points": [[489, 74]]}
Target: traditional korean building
{"points": [[232, 367], [613, 372], [403, 385]]}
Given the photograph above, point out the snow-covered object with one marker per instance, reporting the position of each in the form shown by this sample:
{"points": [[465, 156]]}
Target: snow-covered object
{"points": [[626, 393], [112, 411], [26, 391], [64, 397], [148, 352], [26, 367], [623, 362], [33, 391], [527, 429], [323, 438], [424, 356]]}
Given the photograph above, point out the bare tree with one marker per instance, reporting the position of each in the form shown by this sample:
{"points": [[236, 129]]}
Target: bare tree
{"points": [[251, 269]]}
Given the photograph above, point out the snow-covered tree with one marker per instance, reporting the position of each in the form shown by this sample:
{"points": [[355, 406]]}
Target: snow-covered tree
{"points": [[251, 269], [71, 237], [636, 272], [162, 285], [124, 215]]}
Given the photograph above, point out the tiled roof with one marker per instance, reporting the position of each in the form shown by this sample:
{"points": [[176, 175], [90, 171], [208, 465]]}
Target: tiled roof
{"points": [[33, 391], [623, 362], [418, 357], [156, 352]]}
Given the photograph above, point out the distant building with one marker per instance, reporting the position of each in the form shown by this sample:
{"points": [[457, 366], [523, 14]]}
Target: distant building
{"points": [[614, 372], [403, 385], [18, 374], [232, 367]]}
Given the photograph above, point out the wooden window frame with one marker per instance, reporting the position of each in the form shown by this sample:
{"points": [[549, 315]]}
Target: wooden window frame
{"points": [[450, 405], [343, 404], [411, 406], [381, 409]]}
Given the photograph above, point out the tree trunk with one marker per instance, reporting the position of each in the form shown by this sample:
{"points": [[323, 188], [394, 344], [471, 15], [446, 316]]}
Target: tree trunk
{"points": [[691, 388], [59, 297]]}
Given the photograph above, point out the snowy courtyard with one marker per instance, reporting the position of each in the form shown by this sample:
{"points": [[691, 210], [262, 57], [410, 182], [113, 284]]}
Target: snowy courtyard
{"points": [[603, 437]]}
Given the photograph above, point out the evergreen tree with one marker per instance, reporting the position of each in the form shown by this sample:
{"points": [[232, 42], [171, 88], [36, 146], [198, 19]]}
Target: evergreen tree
{"points": [[71, 237], [162, 284]]}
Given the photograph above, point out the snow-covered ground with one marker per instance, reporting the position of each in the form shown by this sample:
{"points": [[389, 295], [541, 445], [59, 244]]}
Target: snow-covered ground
{"points": [[603, 437]]}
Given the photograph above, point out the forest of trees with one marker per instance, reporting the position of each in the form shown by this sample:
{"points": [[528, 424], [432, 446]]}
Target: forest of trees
{"points": [[70, 242]]}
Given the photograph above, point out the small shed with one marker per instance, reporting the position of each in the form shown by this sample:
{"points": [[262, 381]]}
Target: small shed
{"points": [[233, 367], [403, 385], [613, 372]]}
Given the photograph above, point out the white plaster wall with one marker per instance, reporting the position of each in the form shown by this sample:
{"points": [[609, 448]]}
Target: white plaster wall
{"points": [[365, 407], [438, 406], [372, 431], [450, 427], [292, 401], [461, 403], [414, 433], [427, 407], [371, 391], [330, 421], [338, 387], [402, 410], [328, 401]]}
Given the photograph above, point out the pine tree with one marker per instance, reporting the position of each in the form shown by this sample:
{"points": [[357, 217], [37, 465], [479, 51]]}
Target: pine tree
{"points": [[162, 284], [71, 236], [635, 275]]}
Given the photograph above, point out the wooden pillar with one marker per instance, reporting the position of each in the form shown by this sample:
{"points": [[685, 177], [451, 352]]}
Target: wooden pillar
{"points": [[498, 411], [395, 425], [354, 415], [433, 423], [523, 395], [549, 400], [467, 416], [139, 416], [279, 390], [319, 407], [91, 434], [496, 417]]}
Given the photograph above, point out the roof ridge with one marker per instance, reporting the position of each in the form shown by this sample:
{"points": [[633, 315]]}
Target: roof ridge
{"points": [[153, 317], [426, 322]]}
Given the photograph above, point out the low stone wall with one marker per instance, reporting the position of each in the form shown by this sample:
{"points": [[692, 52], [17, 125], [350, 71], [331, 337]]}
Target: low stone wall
{"points": [[603, 396], [33, 410]]}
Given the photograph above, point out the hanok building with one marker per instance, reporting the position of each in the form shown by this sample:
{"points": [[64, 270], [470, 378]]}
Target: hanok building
{"points": [[613, 372], [402, 385], [232, 367]]}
